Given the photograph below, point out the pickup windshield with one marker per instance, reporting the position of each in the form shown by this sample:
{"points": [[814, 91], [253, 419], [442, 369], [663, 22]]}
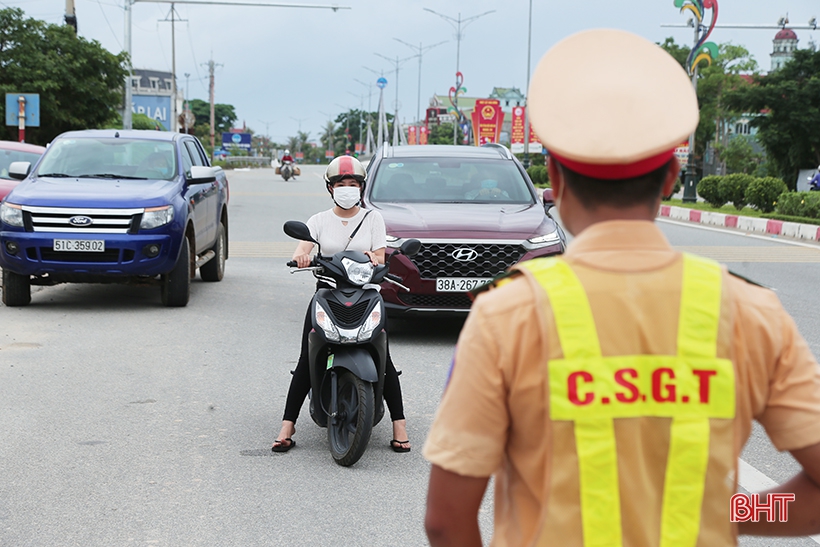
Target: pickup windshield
{"points": [[449, 180], [110, 158]]}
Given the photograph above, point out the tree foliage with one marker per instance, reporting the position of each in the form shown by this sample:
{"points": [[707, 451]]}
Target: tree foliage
{"points": [[790, 99], [79, 82], [740, 156], [224, 115]]}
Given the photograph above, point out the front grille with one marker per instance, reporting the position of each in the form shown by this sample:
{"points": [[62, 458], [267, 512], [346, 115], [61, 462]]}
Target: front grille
{"points": [[101, 221], [440, 300], [109, 255], [436, 259], [348, 316]]}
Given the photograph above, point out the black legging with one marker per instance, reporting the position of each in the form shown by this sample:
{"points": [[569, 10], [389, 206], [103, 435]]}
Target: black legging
{"points": [[300, 383]]}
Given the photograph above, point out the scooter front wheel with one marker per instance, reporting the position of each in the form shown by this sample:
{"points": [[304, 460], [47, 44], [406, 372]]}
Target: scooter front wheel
{"points": [[349, 431]]}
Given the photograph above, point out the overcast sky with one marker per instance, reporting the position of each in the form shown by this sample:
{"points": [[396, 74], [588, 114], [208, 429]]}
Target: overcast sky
{"points": [[282, 65]]}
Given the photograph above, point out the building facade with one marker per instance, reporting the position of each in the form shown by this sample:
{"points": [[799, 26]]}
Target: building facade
{"points": [[784, 46]]}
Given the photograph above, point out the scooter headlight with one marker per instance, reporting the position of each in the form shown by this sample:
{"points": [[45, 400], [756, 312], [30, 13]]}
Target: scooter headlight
{"points": [[358, 273], [326, 324], [373, 320]]}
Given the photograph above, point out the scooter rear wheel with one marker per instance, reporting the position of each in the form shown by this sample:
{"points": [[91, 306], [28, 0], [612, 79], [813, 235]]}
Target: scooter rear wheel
{"points": [[349, 432]]}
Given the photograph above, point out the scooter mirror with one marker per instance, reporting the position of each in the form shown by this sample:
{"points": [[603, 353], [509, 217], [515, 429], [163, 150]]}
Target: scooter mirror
{"points": [[298, 230], [411, 247]]}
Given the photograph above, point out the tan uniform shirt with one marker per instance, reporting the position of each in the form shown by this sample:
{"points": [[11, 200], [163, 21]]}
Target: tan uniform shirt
{"points": [[494, 415]]}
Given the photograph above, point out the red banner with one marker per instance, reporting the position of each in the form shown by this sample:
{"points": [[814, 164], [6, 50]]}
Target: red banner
{"points": [[487, 119], [299, 155], [517, 133], [329, 154], [411, 134], [423, 134], [359, 147]]}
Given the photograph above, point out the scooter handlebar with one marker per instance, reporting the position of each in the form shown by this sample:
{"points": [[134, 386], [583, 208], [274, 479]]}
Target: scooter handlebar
{"points": [[291, 263]]}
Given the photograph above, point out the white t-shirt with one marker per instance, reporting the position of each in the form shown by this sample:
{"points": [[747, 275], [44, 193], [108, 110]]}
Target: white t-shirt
{"points": [[332, 231]]}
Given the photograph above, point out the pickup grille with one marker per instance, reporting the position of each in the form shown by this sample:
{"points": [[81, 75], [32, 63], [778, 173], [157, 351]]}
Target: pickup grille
{"points": [[102, 221], [436, 259]]}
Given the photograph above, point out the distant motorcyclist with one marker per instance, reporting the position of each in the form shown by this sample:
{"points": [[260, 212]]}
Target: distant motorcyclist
{"points": [[814, 182], [287, 157]]}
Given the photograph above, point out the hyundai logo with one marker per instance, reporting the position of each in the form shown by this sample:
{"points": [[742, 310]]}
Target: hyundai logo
{"points": [[80, 221], [465, 254]]}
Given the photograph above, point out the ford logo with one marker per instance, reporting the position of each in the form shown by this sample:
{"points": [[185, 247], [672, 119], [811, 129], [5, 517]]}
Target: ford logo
{"points": [[80, 221], [465, 254]]}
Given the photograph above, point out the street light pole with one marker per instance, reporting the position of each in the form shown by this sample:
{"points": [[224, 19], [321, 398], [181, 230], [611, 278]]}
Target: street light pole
{"points": [[457, 24], [421, 49], [398, 63], [526, 162]]}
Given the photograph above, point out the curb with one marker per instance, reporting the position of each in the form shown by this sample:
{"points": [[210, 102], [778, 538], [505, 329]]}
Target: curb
{"points": [[748, 224]]}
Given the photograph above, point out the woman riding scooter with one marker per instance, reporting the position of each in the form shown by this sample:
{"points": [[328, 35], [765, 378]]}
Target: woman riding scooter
{"points": [[345, 178]]}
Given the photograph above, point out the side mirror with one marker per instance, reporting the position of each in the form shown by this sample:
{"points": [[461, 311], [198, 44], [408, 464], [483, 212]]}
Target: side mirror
{"points": [[548, 199], [411, 247], [298, 230], [201, 174], [19, 169]]}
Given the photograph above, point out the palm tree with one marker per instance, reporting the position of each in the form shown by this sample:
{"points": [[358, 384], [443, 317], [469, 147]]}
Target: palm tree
{"points": [[294, 144], [329, 136]]}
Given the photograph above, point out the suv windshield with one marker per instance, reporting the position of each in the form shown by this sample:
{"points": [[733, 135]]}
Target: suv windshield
{"points": [[449, 180], [109, 158]]}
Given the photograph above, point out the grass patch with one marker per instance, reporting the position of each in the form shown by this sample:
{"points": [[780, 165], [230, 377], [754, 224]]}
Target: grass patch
{"points": [[726, 209]]}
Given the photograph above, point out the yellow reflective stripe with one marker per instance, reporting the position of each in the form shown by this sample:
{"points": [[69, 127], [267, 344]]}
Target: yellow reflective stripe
{"points": [[684, 482], [631, 386], [700, 307], [573, 316], [689, 437], [600, 495]]}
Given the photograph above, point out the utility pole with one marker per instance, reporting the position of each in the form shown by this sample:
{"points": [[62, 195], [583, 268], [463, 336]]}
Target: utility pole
{"points": [[185, 107], [70, 15], [526, 162], [457, 24], [174, 125], [398, 63], [421, 51], [211, 66]]}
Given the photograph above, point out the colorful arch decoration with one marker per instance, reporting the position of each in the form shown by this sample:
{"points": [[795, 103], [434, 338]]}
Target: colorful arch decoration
{"points": [[455, 93], [703, 50]]}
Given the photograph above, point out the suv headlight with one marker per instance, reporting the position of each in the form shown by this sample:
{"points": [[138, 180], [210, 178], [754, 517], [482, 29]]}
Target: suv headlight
{"points": [[326, 324], [11, 214], [393, 242], [542, 241], [154, 217], [358, 273]]}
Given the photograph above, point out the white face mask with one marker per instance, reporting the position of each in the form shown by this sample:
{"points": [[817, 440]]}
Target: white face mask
{"points": [[346, 197]]}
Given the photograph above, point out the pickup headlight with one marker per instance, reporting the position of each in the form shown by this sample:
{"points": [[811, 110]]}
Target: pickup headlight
{"points": [[545, 240], [11, 214], [154, 217], [358, 273]]}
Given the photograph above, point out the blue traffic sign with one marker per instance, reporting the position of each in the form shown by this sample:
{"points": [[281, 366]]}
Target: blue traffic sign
{"points": [[381, 82], [32, 109]]}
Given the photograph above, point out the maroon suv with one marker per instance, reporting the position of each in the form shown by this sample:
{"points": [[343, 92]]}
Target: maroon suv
{"points": [[475, 211]]}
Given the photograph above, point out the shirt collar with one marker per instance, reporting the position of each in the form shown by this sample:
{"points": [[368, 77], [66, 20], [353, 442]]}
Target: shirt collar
{"points": [[621, 240]]}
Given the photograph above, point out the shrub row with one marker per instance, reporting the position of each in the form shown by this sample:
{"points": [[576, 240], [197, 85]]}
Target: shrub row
{"points": [[799, 204], [741, 190], [539, 175]]}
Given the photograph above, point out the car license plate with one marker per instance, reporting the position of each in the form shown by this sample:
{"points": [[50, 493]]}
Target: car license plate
{"points": [[459, 284], [80, 245]]}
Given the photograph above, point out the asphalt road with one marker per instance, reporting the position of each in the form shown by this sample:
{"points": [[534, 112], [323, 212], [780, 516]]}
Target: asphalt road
{"points": [[126, 423]]}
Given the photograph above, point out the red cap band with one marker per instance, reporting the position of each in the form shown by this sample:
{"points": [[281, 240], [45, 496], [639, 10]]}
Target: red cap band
{"points": [[616, 171]]}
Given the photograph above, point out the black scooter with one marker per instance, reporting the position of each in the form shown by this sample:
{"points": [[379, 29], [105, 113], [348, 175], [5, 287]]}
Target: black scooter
{"points": [[347, 347]]}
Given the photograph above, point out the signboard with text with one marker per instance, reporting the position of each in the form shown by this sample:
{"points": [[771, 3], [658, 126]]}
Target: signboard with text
{"points": [[236, 140], [682, 153], [411, 134], [31, 105], [329, 155], [517, 133], [156, 107], [299, 156], [423, 135], [487, 118]]}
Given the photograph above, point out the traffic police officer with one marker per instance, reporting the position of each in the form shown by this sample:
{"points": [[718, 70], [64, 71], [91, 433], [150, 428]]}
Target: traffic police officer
{"points": [[611, 391]]}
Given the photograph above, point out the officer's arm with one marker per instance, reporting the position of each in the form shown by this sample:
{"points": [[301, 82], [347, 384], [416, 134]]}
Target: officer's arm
{"points": [[453, 502], [804, 512]]}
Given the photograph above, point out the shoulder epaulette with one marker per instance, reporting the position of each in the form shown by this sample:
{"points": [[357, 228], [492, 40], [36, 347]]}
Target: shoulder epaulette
{"points": [[497, 281], [747, 280]]}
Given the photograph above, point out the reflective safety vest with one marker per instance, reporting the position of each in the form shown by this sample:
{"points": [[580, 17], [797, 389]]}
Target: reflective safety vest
{"points": [[592, 391]]}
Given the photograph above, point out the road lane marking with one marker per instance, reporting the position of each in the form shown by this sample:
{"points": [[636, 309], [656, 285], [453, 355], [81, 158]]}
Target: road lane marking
{"points": [[769, 238], [752, 480], [771, 253]]}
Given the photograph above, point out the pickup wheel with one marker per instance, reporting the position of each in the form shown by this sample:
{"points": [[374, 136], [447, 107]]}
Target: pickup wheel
{"points": [[16, 289], [176, 284], [214, 269]]}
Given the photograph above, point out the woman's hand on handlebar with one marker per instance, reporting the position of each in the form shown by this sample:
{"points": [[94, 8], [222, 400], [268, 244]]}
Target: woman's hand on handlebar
{"points": [[374, 258], [302, 260]]}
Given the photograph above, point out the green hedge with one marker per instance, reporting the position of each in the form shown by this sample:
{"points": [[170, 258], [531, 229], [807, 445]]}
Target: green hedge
{"points": [[799, 204], [539, 175], [787, 218], [733, 187], [763, 193], [709, 189]]}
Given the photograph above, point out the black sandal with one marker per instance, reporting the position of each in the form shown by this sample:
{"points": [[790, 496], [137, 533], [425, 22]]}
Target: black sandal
{"points": [[282, 447], [396, 445]]}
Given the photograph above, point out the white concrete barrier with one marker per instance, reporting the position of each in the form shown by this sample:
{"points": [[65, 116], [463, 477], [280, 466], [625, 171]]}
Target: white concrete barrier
{"points": [[751, 224], [679, 213], [790, 229], [808, 231]]}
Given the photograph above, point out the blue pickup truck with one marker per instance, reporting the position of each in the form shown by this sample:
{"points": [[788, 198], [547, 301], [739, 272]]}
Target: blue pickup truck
{"points": [[108, 206]]}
